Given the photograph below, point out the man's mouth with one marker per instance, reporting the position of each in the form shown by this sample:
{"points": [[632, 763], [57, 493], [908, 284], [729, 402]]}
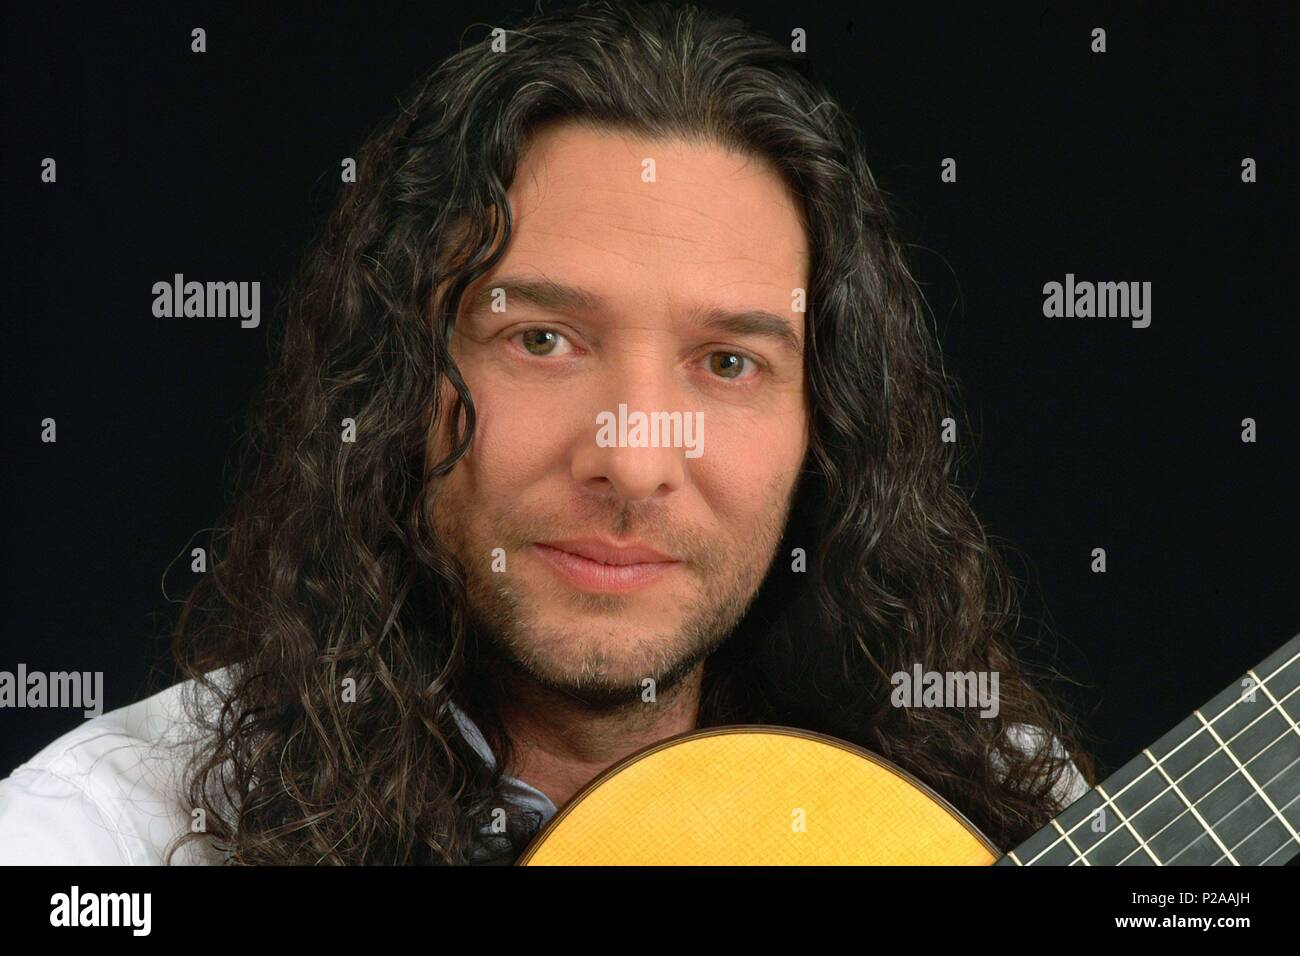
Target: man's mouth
{"points": [[592, 564]]}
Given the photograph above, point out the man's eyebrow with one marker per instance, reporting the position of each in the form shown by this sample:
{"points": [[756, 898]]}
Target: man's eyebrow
{"points": [[544, 293], [753, 322], [558, 297]]}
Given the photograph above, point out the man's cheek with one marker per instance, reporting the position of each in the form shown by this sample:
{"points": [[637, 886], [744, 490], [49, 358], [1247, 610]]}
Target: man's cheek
{"points": [[739, 475], [523, 441], [494, 466]]}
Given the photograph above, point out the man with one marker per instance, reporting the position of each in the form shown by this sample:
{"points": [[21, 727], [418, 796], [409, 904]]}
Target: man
{"points": [[605, 410]]}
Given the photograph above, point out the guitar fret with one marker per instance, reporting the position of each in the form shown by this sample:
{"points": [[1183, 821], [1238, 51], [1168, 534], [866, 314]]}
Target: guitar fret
{"points": [[1191, 807], [1223, 806], [1235, 709], [1111, 851], [1203, 850], [1282, 790], [1078, 819], [1185, 735], [1282, 668], [1148, 802], [1234, 806], [1078, 854], [1263, 845], [1239, 769], [1291, 713], [1202, 780], [1195, 762], [1039, 843], [1257, 737], [1245, 772], [1233, 782], [1138, 859], [1273, 859], [1276, 757]]}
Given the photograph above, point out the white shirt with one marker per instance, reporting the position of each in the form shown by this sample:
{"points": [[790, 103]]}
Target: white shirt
{"points": [[108, 792]]}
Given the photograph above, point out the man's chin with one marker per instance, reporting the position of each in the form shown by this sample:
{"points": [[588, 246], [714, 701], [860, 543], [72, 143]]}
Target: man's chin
{"points": [[600, 658], [602, 695], [613, 682], [605, 678]]}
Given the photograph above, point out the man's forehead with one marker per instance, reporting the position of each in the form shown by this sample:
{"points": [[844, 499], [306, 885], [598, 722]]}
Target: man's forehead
{"points": [[617, 226]]}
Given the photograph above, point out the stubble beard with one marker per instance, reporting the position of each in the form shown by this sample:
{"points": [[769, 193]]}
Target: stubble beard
{"points": [[597, 669]]}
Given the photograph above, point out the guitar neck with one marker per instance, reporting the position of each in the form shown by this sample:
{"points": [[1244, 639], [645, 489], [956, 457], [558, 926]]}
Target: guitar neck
{"points": [[1221, 788]]}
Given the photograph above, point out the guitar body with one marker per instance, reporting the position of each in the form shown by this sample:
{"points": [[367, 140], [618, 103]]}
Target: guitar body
{"points": [[757, 795], [1222, 787]]}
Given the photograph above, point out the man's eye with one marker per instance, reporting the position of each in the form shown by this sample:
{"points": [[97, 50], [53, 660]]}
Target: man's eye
{"points": [[730, 364], [541, 341], [547, 342]]}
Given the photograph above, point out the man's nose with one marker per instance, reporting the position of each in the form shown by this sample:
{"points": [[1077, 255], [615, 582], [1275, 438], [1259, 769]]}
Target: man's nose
{"points": [[633, 471]]}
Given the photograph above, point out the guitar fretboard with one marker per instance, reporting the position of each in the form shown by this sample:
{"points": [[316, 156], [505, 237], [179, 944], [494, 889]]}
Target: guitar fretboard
{"points": [[1220, 789]]}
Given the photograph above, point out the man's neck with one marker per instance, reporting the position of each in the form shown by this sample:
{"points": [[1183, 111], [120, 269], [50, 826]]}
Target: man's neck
{"points": [[560, 744]]}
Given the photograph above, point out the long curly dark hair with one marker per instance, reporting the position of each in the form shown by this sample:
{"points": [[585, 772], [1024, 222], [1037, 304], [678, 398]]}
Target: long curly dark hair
{"points": [[327, 566]]}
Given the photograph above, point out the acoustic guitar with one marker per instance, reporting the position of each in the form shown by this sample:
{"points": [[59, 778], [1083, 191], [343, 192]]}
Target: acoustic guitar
{"points": [[1221, 788]]}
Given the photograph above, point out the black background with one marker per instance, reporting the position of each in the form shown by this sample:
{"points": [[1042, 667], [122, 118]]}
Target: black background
{"points": [[1123, 166]]}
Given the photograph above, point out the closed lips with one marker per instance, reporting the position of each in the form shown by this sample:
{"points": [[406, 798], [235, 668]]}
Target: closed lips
{"points": [[606, 553]]}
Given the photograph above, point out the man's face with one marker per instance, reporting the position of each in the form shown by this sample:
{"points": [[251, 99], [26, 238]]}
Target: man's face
{"points": [[659, 252]]}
